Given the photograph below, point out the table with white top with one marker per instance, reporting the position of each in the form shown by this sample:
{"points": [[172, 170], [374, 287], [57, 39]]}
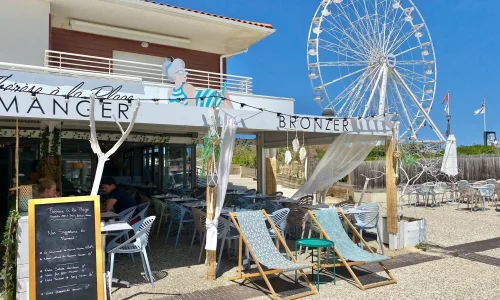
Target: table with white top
{"points": [[108, 215], [351, 211], [316, 206], [194, 204], [180, 200], [105, 228], [285, 200], [162, 197]]}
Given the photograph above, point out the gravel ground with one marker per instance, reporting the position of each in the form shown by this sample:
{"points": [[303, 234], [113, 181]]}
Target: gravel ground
{"points": [[449, 278], [178, 272], [175, 271]]}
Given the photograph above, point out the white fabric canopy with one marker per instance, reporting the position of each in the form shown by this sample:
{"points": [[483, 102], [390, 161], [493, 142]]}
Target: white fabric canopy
{"points": [[226, 156], [449, 165], [345, 153]]}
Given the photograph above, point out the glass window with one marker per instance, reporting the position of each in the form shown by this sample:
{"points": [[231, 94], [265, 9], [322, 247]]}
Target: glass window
{"points": [[76, 166], [177, 167]]}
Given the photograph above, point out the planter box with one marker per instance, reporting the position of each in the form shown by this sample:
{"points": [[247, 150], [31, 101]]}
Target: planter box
{"points": [[411, 232]]}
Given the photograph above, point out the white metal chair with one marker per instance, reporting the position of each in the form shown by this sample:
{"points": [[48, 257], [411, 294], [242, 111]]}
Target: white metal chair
{"points": [[124, 216], [486, 191], [279, 218], [178, 214], [135, 244], [368, 220]]}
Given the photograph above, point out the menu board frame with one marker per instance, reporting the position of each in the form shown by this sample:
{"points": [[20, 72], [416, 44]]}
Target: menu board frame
{"points": [[97, 235]]}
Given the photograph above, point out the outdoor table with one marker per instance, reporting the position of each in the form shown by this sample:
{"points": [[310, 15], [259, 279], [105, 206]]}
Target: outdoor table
{"points": [[202, 203], [105, 228], [285, 200], [226, 210], [161, 197], [316, 243], [316, 206], [108, 215], [180, 200], [351, 211]]}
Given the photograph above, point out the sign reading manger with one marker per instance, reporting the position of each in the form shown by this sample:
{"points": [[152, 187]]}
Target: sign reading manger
{"points": [[65, 259]]}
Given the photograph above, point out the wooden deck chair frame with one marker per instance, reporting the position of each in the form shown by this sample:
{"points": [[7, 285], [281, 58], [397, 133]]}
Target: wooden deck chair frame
{"points": [[348, 265], [262, 273]]}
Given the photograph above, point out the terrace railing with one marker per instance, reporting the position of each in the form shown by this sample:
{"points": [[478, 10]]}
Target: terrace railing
{"points": [[150, 73]]}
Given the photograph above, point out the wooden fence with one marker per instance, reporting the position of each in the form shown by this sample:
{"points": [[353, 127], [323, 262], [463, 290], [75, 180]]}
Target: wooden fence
{"points": [[471, 167]]}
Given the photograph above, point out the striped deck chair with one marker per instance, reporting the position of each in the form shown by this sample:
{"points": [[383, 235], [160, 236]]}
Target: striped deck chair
{"points": [[253, 231], [347, 251]]}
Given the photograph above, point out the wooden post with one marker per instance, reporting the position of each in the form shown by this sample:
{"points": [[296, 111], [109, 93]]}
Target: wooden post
{"points": [[211, 254], [350, 188], [391, 191], [271, 175], [17, 164]]}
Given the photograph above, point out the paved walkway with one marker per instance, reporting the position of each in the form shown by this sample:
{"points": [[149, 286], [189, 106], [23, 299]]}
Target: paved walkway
{"points": [[251, 289]]}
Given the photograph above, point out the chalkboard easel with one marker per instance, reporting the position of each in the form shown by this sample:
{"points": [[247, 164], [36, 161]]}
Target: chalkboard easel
{"points": [[65, 254]]}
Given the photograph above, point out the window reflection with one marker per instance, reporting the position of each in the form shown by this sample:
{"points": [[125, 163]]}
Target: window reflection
{"points": [[76, 167], [177, 167]]}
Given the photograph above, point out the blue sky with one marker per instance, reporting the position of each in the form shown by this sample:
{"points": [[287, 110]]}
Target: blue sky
{"points": [[466, 36]]}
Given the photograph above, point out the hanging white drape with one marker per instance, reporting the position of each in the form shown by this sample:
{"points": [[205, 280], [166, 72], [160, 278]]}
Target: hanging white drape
{"points": [[449, 165], [345, 153], [226, 156]]}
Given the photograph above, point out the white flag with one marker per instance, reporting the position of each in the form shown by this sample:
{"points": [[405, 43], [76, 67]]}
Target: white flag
{"points": [[481, 110]]}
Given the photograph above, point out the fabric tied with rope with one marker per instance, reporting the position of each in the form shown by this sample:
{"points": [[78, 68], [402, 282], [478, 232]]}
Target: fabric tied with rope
{"points": [[224, 167]]}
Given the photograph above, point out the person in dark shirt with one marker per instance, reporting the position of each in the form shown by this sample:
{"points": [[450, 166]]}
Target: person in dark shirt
{"points": [[119, 200]]}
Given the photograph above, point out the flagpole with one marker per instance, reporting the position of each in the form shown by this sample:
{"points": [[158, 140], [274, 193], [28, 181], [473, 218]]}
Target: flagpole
{"points": [[448, 115], [484, 114]]}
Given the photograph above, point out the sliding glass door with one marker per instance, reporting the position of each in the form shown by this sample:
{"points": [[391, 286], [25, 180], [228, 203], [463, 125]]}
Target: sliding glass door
{"points": [[177, 166]]}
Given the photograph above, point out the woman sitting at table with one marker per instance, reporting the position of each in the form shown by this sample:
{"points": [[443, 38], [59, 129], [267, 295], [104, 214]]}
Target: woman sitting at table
{"points": [[119, 200], [47, 189]]}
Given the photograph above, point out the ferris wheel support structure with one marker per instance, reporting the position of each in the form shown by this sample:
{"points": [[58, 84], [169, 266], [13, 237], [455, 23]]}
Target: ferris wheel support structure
{"points": [[422, 110]]}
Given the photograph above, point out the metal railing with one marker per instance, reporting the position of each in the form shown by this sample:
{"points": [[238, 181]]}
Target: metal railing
{"points": [[150, 73]]}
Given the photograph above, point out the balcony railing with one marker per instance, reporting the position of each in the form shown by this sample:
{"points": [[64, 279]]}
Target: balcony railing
{"points": [[150, 73]]}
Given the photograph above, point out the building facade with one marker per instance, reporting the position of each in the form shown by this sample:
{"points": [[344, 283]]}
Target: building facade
{"points": [[61, 51]]}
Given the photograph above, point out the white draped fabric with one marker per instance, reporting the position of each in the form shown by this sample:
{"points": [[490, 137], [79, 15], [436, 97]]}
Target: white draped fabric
{"points": [[345, 153], [226, 156], [449, 165]]}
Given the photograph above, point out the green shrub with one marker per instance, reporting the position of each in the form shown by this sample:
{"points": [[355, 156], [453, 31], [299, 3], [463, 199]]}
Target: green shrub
{"points": [[9, 271]]}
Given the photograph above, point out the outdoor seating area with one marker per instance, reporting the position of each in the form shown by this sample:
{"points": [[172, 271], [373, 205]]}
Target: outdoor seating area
{"points": [[256, 233], [180, 269], [477, 195]]}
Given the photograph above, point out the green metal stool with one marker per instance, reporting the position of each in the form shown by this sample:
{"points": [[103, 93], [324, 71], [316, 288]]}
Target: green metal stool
{"points": [[316, 243]]}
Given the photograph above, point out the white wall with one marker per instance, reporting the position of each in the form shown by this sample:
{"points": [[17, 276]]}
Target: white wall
{"points": [[25, 34]]}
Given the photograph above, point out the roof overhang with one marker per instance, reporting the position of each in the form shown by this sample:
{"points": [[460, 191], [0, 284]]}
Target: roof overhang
{"points": [[204, 32]]}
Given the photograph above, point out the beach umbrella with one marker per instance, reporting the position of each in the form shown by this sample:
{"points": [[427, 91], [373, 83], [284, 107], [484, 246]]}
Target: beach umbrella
{"points": [[449, 165]]}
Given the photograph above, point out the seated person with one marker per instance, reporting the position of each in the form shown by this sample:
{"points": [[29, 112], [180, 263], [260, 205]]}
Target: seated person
{"points": [[47, 189], [119, 200]]}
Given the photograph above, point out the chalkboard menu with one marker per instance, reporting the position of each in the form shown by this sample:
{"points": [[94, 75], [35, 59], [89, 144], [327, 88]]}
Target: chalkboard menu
{"points": [[65, 249]]}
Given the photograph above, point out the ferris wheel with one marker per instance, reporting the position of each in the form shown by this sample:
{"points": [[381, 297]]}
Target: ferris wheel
{"points": [[371, 57]]}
